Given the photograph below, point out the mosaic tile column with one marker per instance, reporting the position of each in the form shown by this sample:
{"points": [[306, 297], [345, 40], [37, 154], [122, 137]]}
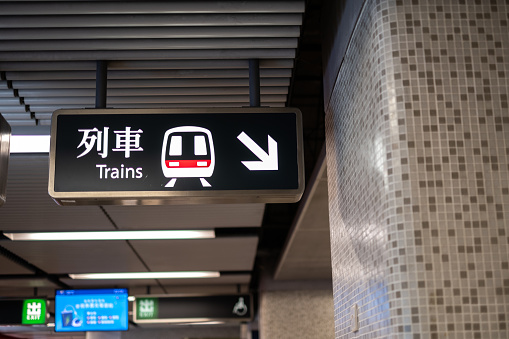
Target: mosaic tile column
{"points": [[418, 165], [293, 314]]}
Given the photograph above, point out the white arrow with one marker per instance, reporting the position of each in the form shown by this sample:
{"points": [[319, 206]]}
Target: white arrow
{"points": [[268, 161]]}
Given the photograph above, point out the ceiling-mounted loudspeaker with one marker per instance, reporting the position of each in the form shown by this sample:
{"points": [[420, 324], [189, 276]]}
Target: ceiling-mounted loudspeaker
{"points": [[5, 140]]}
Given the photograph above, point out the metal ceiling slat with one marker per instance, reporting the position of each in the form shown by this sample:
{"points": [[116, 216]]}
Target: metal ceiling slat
{"points": [[23, 122], [157, 91], [10, 101], [6, 93], [145, 44], [165, 54], [138, 65], [16, 116], [154, 99], [153, 20], [47, 66], [149, 33], [12, 108], [196, 64], [141, 83], [42, 111], [148, 74], [149, 7]]}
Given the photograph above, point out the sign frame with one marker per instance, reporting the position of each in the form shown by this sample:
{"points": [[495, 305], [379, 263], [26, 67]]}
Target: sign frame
{"points": [[250, 311], [5, 137], [177, 197]]}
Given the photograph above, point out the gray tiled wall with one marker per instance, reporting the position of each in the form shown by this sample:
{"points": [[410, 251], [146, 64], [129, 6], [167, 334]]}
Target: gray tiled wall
{"points": [[418, 165], [303, 314]]}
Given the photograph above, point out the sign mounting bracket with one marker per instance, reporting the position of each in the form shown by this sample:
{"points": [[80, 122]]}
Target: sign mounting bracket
{"points": [[101, 81], [254, 83]]}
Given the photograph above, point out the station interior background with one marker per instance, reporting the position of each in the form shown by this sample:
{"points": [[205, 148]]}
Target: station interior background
{"points": [[163, 54]]}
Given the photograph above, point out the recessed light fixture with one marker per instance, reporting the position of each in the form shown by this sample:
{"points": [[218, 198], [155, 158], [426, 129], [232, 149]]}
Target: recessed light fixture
{"points": [[113, 235], [29, 144], [146, 275], [204, 321]]}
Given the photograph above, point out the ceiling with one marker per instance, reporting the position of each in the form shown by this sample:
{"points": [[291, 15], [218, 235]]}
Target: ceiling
{"points": [[160, 54]]}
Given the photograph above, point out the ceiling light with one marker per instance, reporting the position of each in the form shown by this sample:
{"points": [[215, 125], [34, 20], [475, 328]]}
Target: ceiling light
{"points": [[30, 144], [204, 321], [113, 235], [146, 275]]}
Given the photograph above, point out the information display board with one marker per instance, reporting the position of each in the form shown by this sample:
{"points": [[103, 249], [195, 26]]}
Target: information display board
{"points": [[176, 309], [108, 156], [91, 310]]}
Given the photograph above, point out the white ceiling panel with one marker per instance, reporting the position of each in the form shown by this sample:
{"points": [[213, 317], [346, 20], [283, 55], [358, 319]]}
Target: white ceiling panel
{"points": [[30, 208], [186, 216], [219, 254], [60, 257]]}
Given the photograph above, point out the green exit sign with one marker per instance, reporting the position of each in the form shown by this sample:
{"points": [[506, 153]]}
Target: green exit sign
{"points": [[34, 312], [147, 308]]}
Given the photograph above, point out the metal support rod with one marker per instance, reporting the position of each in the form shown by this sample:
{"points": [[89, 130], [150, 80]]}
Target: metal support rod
{"points": [[254, 83], [101, 88]]}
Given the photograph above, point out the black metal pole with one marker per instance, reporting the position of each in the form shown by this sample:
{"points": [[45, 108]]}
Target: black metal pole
{"points": [[254, 83], [101, 79]]}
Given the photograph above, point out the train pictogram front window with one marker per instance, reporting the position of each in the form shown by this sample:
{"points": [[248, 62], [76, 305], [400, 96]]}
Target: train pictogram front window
{"points": [[188, 151]]}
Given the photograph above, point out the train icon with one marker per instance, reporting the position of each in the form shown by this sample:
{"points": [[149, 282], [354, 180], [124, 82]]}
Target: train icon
{"points": [[188, 152]]}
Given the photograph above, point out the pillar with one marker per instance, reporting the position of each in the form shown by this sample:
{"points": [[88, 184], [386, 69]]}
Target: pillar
{"points": [[417, 129]]}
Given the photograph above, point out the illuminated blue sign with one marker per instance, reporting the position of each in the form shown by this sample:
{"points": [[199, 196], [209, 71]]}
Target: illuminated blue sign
{"points": [[91, 310]]}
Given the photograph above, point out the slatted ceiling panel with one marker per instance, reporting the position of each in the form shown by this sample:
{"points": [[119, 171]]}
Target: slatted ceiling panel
{"points": [[149, 45], [186, 216], [29, 207], [139, 100], [157, 91], [44, 33], [167, 54], [138, 65], [142, 83], [147, 74], [62, 257], [219, 254], [232, 20], [148, 7]]}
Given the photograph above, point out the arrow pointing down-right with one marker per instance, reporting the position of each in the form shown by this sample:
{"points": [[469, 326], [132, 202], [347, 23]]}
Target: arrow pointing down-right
{"points": [[268, 161]]}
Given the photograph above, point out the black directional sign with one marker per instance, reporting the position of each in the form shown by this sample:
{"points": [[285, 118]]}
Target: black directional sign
{"points": [[178, 309], [147, 156]]}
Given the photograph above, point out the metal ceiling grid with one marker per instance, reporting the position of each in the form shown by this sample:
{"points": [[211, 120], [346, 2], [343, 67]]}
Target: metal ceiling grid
{"points": [[159, 53]]}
